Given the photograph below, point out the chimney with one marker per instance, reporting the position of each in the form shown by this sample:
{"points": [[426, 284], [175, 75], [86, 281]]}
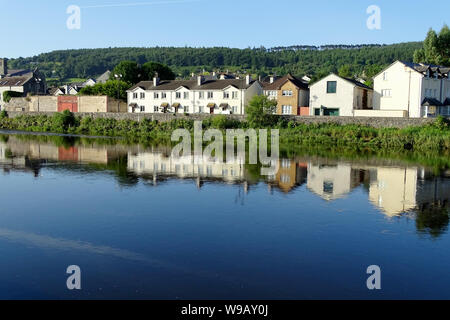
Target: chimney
{"points": [[156, 79], [248, 79], [199, 80], [3, 67], [272, 79]]}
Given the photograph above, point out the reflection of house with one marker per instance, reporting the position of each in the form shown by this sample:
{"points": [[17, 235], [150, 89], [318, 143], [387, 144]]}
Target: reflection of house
{"points": [[332, 181], [397, 190], [157, 164], [290, 174], [49, 151]]}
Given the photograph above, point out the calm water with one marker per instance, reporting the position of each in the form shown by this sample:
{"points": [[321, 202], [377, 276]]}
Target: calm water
{"points": [[143, 225]]}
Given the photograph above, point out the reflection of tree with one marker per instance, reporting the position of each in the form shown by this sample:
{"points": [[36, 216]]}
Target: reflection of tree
{"points": [[433, 219], [124, 177]]}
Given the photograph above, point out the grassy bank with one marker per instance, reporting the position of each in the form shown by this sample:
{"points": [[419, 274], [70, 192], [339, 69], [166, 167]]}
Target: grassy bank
{"points": [[433, 138]]}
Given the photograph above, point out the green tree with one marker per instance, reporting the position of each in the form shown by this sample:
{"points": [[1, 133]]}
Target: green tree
{"points": [[345, 71], [150, 68], [110, 88], [129, 70], [436, 48], [260, 112]]}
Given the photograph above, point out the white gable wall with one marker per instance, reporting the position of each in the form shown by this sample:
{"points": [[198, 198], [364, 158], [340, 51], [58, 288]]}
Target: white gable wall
{"points": [[343, 99]]}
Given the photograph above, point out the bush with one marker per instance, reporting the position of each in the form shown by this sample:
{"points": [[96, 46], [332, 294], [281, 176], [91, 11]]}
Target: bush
{"points": [[260, 112], [7, 95]]}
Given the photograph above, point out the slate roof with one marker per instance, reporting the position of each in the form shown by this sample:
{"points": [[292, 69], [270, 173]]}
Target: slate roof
{"points": [[277, 84], [170, 85], [104, 77], [358, 83], [422, 68], [431, 102]]}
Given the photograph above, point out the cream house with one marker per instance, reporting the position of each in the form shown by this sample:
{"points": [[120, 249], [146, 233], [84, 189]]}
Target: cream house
{"points": [[333, 180], [338, 96], [157, 164], [415, 90], [223, 96]]}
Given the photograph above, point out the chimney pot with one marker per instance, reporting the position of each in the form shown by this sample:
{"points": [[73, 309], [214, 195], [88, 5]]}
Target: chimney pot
{"points": [[199, 80], [156, 79], [248, 79]]}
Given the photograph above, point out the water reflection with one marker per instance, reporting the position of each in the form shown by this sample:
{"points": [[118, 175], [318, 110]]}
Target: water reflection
{"points": [[394, 188]]}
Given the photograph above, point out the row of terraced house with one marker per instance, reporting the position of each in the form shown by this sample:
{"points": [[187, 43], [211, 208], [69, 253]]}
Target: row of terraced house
{"points": [[401, 90]]}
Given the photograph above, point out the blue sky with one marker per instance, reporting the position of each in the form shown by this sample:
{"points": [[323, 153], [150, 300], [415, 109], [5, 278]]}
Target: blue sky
{"points": [[33, 27]]}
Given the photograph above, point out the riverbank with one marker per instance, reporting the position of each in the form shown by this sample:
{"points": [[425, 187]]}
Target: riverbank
{"points": [[431, 137]]}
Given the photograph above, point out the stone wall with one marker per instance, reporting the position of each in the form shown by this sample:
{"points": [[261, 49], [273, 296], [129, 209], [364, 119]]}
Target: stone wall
{"points": [[43, 103], [377, 122]]}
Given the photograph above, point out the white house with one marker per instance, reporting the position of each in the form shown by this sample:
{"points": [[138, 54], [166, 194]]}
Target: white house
{"points": [[338, 96], [223, 96], [415, 90]]}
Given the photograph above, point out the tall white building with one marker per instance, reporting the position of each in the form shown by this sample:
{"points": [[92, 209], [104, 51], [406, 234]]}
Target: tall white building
{"points": [[223, 96], [416, 90]]}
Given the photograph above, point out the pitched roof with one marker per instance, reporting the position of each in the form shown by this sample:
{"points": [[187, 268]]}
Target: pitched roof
{"points": [[277, 84], [14, 81], [170, 85], [357, 83], [352, 81], [104, 77], [423, 68], [431, 102]]}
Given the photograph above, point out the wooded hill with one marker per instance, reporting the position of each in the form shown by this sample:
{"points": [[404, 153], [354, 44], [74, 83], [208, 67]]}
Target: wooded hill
{"points": [[361, 60]]}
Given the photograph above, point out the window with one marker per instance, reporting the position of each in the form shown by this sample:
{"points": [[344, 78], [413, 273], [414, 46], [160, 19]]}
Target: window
{"points": [[200, 109], [273, 93], [284, 178], [155, 108], [435, 93], [331, 86], [385, 76], [285, 163], [234, 109], [186, 109], [287, 93], [163, 95], [286, 109], [234, 94], [386, 92], [186, 95], [328, 187], [226, 95], [210, 94], [156, 95], [201, 95], [142, 108], [142, 95], [135, 95], [178, 95]]}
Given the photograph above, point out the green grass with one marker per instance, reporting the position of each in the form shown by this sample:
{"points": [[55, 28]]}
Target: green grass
{"points": [[428, 139]]}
